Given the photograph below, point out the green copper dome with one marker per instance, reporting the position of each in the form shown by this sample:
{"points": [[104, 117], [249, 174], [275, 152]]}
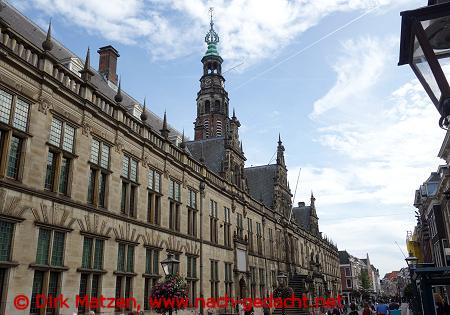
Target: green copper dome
{"points": [[212, 39]]}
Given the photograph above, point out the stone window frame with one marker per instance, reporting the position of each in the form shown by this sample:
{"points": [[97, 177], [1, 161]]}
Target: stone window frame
{"points": [[8, 131], [98, 170]]}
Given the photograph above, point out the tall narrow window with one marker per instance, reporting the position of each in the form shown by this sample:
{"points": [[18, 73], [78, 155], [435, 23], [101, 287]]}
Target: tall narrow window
{"points": [[250, 235], [228, 279], [124, 274], [214, 279], [129, 186], [13, 126], [192, 213], [60, 156], [99, 172], [259, 246], [151, 274], [213, 219], [219, 128], [206, 127], [174, 205], [227, 227], [47, 278], [6, 237], [262, 283], [91, 271], [191, 278], [239, 226], [154, 197], [253, 282], [271, 243]]}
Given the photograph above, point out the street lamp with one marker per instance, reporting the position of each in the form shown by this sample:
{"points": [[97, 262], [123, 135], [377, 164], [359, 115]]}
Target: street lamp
{"points": [[425, 46], [412, 261], [412, 265], [170, 265]]}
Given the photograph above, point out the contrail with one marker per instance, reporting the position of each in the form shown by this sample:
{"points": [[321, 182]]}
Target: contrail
{"points": [[305, 48]]}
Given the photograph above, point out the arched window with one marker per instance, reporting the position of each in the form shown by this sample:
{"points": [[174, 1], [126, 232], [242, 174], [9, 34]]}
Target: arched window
{"points": [[207, 107], [217, 106]]}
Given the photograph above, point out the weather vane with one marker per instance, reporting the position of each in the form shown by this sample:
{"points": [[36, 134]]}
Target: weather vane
{"points": [[211, 10]]}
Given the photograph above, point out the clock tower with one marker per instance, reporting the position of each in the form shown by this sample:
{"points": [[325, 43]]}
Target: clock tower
{"points": [[212, 99]]}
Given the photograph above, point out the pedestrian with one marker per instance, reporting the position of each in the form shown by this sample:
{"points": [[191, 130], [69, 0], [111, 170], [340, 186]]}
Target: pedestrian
{"points": [[366, 310], [382, 308], [439, 302], [266, 309], [353, 309]]}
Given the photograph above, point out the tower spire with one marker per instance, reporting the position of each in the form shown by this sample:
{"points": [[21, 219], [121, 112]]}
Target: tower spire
{"points": [[118, 97], [87, 73], [280, 152], [212, 38], [47, 45], [165, 131], [144, 115]]}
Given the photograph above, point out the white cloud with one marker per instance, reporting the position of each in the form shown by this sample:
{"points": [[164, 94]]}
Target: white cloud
{"points": [[250, 30], [385, 136]]}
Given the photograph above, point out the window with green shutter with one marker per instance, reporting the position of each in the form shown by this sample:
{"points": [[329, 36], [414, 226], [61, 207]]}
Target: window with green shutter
{"points": [[6, 233]]}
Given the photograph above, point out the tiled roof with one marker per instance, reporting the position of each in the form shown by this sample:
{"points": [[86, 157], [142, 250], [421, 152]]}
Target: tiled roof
{"points": [[35, 35], [260, 181]]}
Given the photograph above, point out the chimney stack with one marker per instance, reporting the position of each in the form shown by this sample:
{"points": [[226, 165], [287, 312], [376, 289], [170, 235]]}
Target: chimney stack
{"points": [[107, 63]]}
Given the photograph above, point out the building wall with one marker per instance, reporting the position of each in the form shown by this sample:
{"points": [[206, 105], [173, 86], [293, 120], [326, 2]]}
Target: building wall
{"points": [[56, 92]]}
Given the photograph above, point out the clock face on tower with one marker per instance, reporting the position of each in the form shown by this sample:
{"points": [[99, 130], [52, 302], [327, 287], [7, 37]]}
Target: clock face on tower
{"points": [[208, 81]]}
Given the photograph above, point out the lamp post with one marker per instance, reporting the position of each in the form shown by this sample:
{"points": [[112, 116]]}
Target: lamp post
{"points": [[412, 265], [170, 267]]}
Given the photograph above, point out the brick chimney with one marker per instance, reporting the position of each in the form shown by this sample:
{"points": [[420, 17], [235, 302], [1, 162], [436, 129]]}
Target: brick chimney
{"points": [[107, 63]]}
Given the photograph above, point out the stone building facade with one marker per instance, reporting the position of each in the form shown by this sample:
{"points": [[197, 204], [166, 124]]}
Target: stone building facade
{"points": [[95, 190]]}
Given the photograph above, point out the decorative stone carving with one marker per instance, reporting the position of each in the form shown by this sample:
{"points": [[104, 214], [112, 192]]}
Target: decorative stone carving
{"points": [[53, 215], [10, 206], [92, 224], [124, 232], [191, 248], [119, 146], [44, 105], [173, 245], [152, 239], [86, 128]]}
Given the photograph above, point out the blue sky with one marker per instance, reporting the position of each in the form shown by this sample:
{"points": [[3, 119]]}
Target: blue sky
{"points": [[323, 73]]}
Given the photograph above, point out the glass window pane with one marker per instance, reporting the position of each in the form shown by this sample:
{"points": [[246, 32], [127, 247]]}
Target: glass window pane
{"points": [[21, 115], [123, 199], [55, 132], [50, 174], [121, 258], [95, 148], [130, 259], [171, 188], [5, 106], [157, 182], [53, 285], [421, 64], [156, 262], [95, 285], [87, 252], [69, 135], [58, 249], [133, 170], [151, 175], [43, 247], [125, 164], [102, 190], [104, 162], [91, 186], [98, 259], [38, 282], [6, 231], [64, 176], [14, 157], [83, 291], [148, 260]]}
